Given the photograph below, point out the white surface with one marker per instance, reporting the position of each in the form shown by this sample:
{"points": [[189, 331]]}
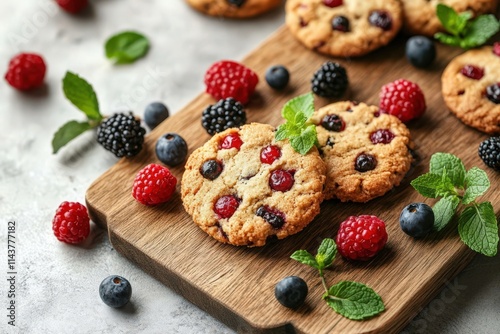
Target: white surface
{"points": [[57, 284]]}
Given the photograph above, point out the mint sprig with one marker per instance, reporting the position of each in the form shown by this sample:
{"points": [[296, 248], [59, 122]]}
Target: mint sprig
{"points": [[464, 31], [352, 300], [126, 47], [448, 178], [297, 128]]}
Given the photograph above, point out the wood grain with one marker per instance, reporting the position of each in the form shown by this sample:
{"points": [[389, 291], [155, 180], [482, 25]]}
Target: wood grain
{"points": [[236, 285]]}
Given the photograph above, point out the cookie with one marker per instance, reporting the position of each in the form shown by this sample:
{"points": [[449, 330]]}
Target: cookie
{"points": [[344, 28], [366, 152], [420, 15], [468, 86], [234, 8], [242, 187]]}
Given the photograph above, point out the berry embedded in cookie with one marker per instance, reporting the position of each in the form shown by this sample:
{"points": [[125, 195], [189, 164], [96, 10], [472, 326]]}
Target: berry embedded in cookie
{"points": [[237, 9], [243, 187]]}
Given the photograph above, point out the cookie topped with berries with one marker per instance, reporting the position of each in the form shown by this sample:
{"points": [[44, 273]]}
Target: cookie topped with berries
{"points": [[243, 187], [471, 88], [234, 8], [366, 152], [344, 28]]}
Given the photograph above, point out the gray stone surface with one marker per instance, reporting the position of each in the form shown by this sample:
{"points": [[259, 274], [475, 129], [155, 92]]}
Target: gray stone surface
{"points": [[57, 284]]}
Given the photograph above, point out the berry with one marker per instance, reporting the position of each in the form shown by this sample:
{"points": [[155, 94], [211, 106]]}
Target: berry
{"points": [[420, 51], [26, 71], [330, 80], [496, 48], [380, 19], [361, 238], [493, 93], [333, 3], [225, 114], [291, 291], [274, 217], [72, 6], [382, 136], [155, 113], [226, 79], [211, 169], [121, 134], [237, 3], [277, 77], [340, 23], [403, 99], [472, 72], [333, 122], [171, 149], [281, 180], [232, 140], [71, 223], [115, 291], [270, 154], [365, 162], [226, 206], [489, 152], [154, 184], [417, 220]]}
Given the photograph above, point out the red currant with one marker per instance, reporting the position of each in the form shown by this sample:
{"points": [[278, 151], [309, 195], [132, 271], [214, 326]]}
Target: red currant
{"points": [[472, 72], [281, 180], [232, 140], [270, 154], [226, 206]]}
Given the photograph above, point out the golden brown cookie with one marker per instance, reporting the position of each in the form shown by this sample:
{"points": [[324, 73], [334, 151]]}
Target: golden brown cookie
{"points": [[344, 28], [234, 8], [420, 15], [366, 152], [243, 187], [467, 84]]}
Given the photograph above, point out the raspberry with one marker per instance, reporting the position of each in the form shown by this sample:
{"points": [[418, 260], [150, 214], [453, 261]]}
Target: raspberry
{"points": [[121, 134], [154, 184], [71, 224], [226, 206], [333, 3], [226, 79], [403, 99], [232, 140], [72, 6], [361, 238], [496, 48], [330, 80], [281, 180], [270, 154], [26, 71], [489, 152], [225, 114]]}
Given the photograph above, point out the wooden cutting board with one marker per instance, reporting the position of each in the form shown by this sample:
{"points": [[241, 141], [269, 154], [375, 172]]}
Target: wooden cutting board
{"points": [[236, 285]]}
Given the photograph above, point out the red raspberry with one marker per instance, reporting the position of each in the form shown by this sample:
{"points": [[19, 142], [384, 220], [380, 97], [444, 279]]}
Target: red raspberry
{"points": [[71, 224], [72, 6], [154, 184], [26, 71], [361, 238], [232, 140], [403, 99], [226, 206], [226, 79], [270, 154], [333, 3]]}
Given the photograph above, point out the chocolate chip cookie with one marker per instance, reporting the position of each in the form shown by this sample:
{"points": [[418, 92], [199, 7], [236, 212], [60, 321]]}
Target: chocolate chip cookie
{"points": [[234, 8]]}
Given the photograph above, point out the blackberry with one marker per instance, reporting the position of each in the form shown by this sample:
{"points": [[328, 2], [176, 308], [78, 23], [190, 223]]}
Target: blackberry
{"points": [[225, 114], [121, 134], [330, 80], [489, 152], [237, 3]]}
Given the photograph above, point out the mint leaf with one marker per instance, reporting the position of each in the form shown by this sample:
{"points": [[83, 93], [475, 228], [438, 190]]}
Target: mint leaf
{"points": [[451, 21], [326, 253], [281, 132], [305, 257], [480, 30], [303, 104], [354, 300], [305, 141], [126, 47], [433, 185], [478, 228], [477, 183], [68, 132], [82, 95], [451, 165], [448, 39], [444, 210]]}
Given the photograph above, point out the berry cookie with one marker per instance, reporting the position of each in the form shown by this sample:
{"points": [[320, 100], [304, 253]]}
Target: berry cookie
{"points": [[344, 28], [234, 8], [366, 152], [243, 187], [471, 88], [420, 15]]}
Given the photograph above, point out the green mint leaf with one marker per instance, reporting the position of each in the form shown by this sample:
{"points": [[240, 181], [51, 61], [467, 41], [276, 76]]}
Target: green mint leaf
{"points": [[354, 300], [451, 21], [478, 228], [452, 165], [477, 183], [305, 141], [444, 210], [303, 104], [305, 257], [67, 133], [326, 253], [126, 47], [281, 132], [448, 39], [428, 185], [82, 95], [479, 31]]}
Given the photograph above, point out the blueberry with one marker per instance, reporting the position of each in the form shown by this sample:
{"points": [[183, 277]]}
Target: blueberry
{"points": [[291, 291], [417, 220], [154, 114], [171, 149], [420, 51], [277, 77], [115, 291]]}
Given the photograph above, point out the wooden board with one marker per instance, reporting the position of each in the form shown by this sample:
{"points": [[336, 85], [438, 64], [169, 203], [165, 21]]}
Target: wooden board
{"points": [[236, 285]]}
